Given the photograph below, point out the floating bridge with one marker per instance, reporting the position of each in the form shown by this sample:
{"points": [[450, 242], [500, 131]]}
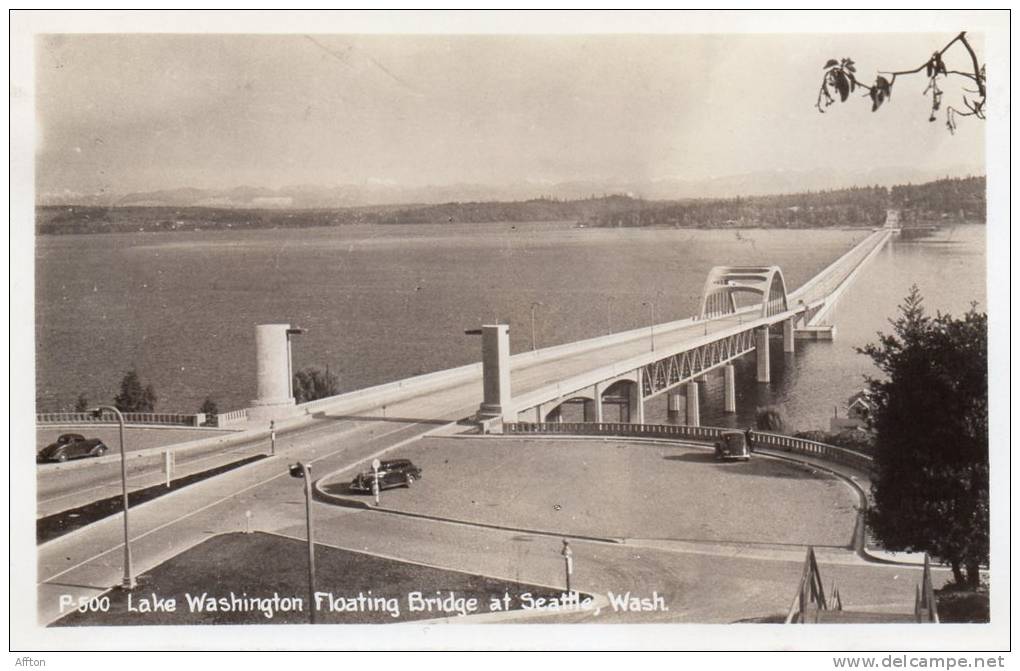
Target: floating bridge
{"points": [[741, 307]]}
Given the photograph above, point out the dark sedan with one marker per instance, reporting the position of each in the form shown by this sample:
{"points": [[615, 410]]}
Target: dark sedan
{"points": [[733, 446], [72, 446], [392, 473]]}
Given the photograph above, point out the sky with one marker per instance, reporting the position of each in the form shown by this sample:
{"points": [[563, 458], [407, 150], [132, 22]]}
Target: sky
{"points": [[137, 112]]}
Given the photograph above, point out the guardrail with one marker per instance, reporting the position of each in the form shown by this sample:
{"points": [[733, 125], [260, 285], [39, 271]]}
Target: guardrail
{"points": [[232, 417], [157, 418], [708, 434]]}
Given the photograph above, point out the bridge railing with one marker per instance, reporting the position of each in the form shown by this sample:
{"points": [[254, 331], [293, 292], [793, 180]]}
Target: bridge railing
{"points": [[231, 418], [155, 418], [707, 434]]}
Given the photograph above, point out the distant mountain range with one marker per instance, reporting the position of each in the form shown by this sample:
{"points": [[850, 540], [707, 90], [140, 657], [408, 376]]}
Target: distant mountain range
{"points": [[375, 194]]}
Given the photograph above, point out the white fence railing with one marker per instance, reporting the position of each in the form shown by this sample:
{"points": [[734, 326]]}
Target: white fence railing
{"points": [[232, 417], [708, 434], [158, 418], [147, 418]]}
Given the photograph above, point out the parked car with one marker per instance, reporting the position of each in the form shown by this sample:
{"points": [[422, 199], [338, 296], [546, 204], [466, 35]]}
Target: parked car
{"points": [[392, 473], [72, 446], [732, 446]]}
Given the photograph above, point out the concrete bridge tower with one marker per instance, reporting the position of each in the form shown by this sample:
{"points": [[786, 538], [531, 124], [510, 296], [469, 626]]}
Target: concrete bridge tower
{"points": [[496, 400], [273, 371]]}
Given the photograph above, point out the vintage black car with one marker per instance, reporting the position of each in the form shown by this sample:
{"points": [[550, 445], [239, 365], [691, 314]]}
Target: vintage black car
{"points": [[392, 473], [72, 446], [733, 445]]}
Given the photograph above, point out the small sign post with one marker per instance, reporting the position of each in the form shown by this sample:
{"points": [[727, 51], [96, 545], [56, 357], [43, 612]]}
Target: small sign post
{"points": [[272, 438], [168, 466], [375, 481], [568, 560]]}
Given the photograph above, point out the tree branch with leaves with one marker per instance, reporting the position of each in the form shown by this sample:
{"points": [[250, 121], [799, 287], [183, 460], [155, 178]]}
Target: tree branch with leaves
{"points": [[840, 80]]}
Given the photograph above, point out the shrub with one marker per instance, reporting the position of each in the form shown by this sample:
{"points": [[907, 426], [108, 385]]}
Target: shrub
{"points": [[769, 418], [311, 384], [209, 407]]}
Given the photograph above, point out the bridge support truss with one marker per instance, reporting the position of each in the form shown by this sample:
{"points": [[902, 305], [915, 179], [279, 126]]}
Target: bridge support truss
{"points": [[664, 374]]}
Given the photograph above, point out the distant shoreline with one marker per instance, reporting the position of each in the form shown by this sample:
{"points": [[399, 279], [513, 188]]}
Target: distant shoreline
{"points": [[948, 200]]}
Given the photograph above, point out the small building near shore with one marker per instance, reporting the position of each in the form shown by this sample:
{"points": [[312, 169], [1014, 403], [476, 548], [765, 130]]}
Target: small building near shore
{"points": [[859, 410]]}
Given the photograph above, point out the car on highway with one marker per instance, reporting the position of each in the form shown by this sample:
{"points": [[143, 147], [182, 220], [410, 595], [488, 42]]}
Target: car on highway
{"points": [[72, 446], [392, 473], [733, 446]]}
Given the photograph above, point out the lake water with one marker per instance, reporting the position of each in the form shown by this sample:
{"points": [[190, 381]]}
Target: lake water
{"points": [[385, 302]]}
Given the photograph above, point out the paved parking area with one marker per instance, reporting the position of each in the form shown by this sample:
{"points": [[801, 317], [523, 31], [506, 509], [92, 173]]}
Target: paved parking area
{"points": [[622, 489]]}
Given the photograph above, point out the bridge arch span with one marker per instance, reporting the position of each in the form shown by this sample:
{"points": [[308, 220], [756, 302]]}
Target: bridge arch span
{"points": [[719, 297]]}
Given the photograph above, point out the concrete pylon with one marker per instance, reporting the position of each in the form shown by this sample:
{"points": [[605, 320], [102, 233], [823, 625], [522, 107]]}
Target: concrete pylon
{"points": [[729, 388], [675, 407], [600, 415], [761, 353], [693, 405], [636, 402], [273, 373], [496, 399], [788, 340]]}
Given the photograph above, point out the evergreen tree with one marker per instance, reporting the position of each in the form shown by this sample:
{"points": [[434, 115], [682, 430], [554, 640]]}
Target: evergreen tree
{"points": [[930, 488], [133, 397]]}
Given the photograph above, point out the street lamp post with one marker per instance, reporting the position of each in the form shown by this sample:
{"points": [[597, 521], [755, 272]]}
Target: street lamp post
{"points": [[651, 308], [129, 578], [304, 471], [290, 372], [533, 306]]}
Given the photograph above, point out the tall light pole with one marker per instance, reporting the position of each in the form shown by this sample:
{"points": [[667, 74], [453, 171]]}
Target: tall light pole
{"points": [[609, 313], [533, 306], [651, 308], [129, 579], [304, 471], [290, 366]]}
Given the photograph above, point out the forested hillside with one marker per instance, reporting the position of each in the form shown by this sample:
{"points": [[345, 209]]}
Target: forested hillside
{"points": [[933, 202]]}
